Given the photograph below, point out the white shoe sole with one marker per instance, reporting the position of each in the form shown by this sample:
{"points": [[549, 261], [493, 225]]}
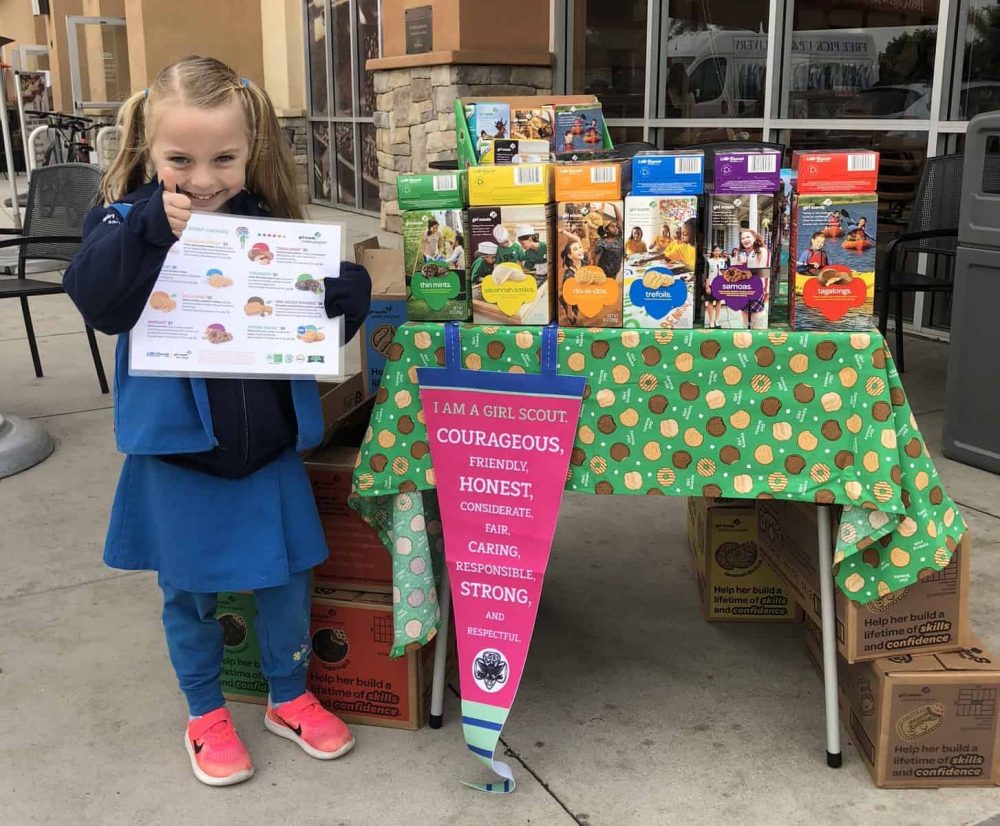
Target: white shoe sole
{"points": [[207, 779], [288, 734]]}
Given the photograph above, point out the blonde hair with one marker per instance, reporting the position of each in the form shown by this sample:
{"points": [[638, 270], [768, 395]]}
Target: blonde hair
{"points": [[206, 83]]}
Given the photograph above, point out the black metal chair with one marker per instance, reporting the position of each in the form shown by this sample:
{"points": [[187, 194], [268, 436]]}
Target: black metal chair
{"points": [[632, 148], [932, 230], [59, 198]]}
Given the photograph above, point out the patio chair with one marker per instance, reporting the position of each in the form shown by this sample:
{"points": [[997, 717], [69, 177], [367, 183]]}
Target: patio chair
{"points": [[59, 198], [932, 230]]}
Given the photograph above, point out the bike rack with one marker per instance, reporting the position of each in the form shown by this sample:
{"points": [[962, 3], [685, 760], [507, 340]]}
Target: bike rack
{"points": [[102, 135], [29, 151]]}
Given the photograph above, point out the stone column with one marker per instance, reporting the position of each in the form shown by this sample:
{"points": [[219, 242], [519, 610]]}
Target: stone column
{"points": [[415, 116]]}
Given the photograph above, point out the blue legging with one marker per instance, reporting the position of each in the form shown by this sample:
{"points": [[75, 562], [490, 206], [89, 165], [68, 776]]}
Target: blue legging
{"points": [[195, 641]]}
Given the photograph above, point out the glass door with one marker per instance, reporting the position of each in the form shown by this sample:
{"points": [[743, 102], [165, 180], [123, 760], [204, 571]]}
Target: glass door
{"points": [[98, 63]]}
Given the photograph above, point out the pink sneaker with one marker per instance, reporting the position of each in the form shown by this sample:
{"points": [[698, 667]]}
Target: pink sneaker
{"points": [[218, 756], [304, 721]]}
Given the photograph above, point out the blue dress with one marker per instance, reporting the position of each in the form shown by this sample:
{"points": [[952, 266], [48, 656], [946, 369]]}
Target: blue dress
{"points": [[208, 534]]}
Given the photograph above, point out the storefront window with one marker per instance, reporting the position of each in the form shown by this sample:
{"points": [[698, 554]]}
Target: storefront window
{"points": [[716, 57], [316, 46], [340, 34], [344, 142], [860, 59], [368, 23], [369, 169], [321, 161], [687, 137], [977, 60], [610, 54]]}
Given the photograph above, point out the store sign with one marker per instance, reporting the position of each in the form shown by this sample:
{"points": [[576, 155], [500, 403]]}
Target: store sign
{"points": [[419, 29], [501, 444]]}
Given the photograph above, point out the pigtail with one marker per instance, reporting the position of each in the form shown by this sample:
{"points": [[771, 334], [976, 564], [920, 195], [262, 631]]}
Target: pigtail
{"points": [[129, 169], [271, 172]]}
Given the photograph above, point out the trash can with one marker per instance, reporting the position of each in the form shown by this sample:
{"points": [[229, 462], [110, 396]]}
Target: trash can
{"points": [[972, 400]]}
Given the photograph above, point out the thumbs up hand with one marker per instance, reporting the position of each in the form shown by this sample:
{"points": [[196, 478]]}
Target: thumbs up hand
{"points": [[176, 205]]}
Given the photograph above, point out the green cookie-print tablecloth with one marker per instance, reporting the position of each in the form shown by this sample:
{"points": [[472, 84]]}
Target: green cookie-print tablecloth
{"points": [[815, 417]]}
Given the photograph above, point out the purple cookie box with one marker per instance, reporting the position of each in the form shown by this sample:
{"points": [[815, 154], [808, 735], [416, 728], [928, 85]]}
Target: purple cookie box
{"points": [[732, 176]]}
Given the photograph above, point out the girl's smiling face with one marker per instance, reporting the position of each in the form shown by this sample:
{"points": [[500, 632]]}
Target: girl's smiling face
{"points": [[576, 251], [746, 240], [206, 149]]}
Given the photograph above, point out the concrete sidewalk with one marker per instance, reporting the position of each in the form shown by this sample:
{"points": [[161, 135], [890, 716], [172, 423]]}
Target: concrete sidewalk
{"points": [[632, 709]]}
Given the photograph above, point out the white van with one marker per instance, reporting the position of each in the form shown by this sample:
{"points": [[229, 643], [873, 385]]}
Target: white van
{"points": [[726, 70]]}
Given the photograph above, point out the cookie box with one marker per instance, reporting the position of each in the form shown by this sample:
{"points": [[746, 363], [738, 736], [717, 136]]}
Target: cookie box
{"points": [[535, 123], [579, 128], [661, 235], [589, 263], [754, 173], [739, 252], [668, 173], [511, 184], [925, 721], [434, 257], [512, 273], [388, 307], [591, 180], [928, 617], [835, 170], [832, 261], [433, 191], [735, 583], [242, 680], [506, 152], [486, 121]]}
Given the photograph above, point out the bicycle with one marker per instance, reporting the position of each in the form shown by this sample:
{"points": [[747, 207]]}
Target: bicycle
{"points": [[74, 148]]}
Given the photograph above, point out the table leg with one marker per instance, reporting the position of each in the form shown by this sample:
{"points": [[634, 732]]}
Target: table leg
{"points": [[441, 652], [829, 629]]}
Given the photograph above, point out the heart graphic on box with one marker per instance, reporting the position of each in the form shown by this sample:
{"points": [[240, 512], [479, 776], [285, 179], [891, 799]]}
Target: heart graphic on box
{"points": [[836, 299], [436, 290], [659, 301], [511, 295], [589, 297]]}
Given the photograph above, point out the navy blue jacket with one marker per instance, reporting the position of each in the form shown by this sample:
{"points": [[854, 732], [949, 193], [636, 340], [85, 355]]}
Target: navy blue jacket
{"points": [[226, 427]]}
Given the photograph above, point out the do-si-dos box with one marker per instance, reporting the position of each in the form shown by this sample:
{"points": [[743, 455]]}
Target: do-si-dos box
{"points": [[929, 616], [735, 582], [598, 180], [358, 559], [661, 236], [835, 170], [388, 307], [512, 271], [350, 670], [446, 190], [922, 721], [832, 261], [242, 680], [668, 173], [510, 185], [589, 262], [739, 257], [751, 173], [434, 257]]}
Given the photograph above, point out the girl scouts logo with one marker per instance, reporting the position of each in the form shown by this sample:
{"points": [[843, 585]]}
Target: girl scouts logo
{"points": [[490, 670]]}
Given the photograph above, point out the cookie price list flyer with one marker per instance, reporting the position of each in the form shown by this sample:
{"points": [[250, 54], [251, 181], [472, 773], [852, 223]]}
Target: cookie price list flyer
{"points": [[500, 443], [242, 296]]}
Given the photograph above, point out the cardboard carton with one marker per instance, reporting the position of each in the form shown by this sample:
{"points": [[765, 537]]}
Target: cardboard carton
{"points": [[242, 680], [835, 170], [388, 307], [750, 173], [680, 172], [358, 560], [739, 251], [444, 190], [604, 180], [589, 263], [510, 185], [660, 258], [350, 671], [435, 261], [924, 721], [512, 271], [930, 616], [832, 261], [735, 583], [487, 120], [533, 123], [339, 400]]}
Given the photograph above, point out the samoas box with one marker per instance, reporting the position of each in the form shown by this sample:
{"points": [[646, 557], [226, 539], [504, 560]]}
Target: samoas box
{"points": [[589, 263], [661, 236], [434, 258]]}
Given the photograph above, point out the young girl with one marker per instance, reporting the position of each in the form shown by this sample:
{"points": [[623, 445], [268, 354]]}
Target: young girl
{"points": [[213, 495], [456, 253], [683, 248], [717, 262], [635, 245], [753, 250]]}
